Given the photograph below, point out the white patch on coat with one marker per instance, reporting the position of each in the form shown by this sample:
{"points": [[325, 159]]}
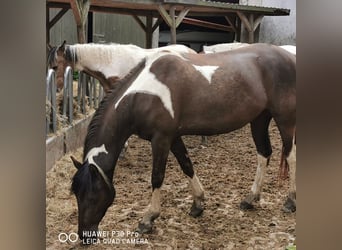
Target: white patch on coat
{"points": [[206, 71], [154, 208], [90, 157], [196, 187], [147, 83], [260, 175]]}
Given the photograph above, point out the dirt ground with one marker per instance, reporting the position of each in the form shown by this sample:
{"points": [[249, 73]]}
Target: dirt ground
{"points": [[226, 168]]}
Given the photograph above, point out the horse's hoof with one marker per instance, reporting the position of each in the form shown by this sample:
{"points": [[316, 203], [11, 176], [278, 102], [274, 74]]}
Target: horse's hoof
{"points": [[144, 228], [244, 205], [196, 211], [289, 206]]}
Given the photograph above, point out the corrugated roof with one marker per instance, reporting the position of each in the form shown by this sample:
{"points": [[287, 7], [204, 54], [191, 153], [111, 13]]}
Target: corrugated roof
{"points": [[200, 7]]}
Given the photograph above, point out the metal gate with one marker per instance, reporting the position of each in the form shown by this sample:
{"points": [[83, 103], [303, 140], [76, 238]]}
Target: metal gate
{"points": [[89, 95]]}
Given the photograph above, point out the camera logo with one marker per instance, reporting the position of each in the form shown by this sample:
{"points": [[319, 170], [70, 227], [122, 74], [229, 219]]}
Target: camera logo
{"points": [[71, 237]]}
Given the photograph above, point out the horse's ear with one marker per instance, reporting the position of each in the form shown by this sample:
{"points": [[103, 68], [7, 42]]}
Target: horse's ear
{"points": [[49, 46], [62, 47], [76, 162]]}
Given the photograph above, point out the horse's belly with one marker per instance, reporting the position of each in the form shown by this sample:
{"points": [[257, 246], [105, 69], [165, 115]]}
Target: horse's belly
{"points": [[217, 121]]}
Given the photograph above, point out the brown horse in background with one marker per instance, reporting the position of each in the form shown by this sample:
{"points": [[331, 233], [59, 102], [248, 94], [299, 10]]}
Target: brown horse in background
{"points": [[168, 96]]}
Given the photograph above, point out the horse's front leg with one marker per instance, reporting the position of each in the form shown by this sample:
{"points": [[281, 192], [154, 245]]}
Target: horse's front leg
{"points": [[160, 151], [181, 154]]}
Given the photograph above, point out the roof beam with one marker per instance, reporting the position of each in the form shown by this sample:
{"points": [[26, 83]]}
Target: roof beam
{"points": [[206, 24], [172, 20]]}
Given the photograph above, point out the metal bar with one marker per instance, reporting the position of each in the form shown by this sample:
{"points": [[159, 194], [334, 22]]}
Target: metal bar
{"points": [[79, 89], [71, 96], [91, 97], [48, 99], [95, 94], [83, 92], [54, 103]]}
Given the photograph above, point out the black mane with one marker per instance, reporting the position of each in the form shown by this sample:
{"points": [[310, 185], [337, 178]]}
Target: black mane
{"points": [[111, 96], [51, 56], [70, 54]]}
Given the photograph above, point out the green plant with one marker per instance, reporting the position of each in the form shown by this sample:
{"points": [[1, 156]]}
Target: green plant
{"points": [[75, 75]]}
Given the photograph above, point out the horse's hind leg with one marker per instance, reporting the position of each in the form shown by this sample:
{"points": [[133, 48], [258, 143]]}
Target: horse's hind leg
{"points": [[259, 128], [287, 133], [180, 152], [160, 151]]}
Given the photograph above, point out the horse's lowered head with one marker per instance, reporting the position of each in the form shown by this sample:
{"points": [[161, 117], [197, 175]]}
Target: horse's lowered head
{"points": [[58, 59], [94, 193]]}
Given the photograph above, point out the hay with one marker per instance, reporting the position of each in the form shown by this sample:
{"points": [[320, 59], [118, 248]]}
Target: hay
{"points": [[226, 168]]}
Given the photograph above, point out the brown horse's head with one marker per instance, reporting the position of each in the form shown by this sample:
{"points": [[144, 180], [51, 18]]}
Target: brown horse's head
{"points": [[58, 59]]}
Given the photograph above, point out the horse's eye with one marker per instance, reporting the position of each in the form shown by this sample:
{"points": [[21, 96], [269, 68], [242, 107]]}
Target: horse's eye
{"points": [[54, 67]]}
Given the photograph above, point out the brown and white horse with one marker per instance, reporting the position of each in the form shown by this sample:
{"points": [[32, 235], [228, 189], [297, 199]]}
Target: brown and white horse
{"points": [[168, 96], [106, 62]]}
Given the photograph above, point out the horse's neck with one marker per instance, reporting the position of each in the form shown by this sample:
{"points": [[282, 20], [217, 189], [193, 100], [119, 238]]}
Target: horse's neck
{"points": [[102, 145], [111, 61]]}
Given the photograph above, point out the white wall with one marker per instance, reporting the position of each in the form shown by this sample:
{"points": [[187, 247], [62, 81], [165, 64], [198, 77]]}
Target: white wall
{"points": [[278, 30]]}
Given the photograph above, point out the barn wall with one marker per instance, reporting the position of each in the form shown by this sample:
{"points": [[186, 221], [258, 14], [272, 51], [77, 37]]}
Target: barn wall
{"points": [[117, 28], [278, 30], [107, 28], [64, 29]]}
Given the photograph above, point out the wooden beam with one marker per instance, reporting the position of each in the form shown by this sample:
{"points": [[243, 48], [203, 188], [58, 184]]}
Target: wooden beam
{"points": [[149, 32], [56, 18], [141, 24], [173, 20], [244, 20], [157, 23], [206, 24], [165, 15], [257, 22], [76, 11], [80, 9], [251, 32], [173, 25], [181, 16], [231, 23]]}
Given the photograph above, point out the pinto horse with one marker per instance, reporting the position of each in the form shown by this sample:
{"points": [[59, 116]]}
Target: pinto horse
{"points": [[106, 62], [168, 96]]}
